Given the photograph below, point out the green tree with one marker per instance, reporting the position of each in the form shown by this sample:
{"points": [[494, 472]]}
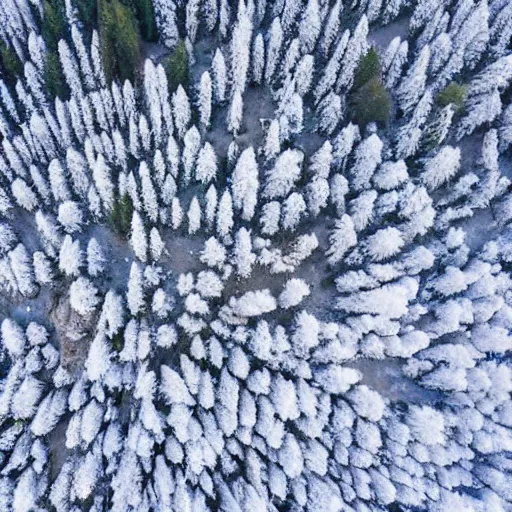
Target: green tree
{"points": [[368, 68], [54, 77], [145, 14], [176, 67], [10, 63], [121, 215], [371, 103], [87, 11], [53, 23], [119, 39], [454, 94]]}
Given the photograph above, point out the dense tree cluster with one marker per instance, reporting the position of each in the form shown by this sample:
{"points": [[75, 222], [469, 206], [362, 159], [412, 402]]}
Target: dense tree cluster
{"points": [[195, 301]]}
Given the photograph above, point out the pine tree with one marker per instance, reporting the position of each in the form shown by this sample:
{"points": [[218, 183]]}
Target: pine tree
{"points": [[330, 112], [366, 159], [245, 184], [135, 292], [244, 258], [95, 258], [138, 238], [357, 47], [70, 257], [206, 169], [194, 216], [149, 197], [70, 69], [272, 146], [235, 113], [225, 215], [240, 49], [331, 27], [342, 238], [192, 146], [166, 21], [181, 110], [103, 182], [258, 59], [219, 76], [83, 296], [205, 99], [413, 85], [70, 216], [176, 213], [269, 220], [310, 26], [304, 74], [294, 207], [273, 50], [286, 171]]}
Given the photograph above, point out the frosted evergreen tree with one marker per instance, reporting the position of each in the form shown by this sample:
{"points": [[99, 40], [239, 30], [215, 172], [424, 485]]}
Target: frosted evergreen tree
{"points": [[206, 168], [149, 196], [273, 50], [235, 113], [194, 216], [83, 296], [95, 258], [135, 292], [181, 110], [293, 209], [258, 59], [205, 99], [330, 112], [166, 20], [244, 258], [138, 237], [225, 215], [211, 206], [310, 26], [357, 46], [219, 76], [331, 28], [192, 146], [245, 184], [286, 171], [413, 85]]}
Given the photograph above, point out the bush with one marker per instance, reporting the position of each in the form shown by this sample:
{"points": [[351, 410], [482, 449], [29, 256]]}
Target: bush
{"points": [[119, 40], [11, 64], [54, 23], [371, 103], [54, 77], [121, 215], [454, 94], [176, 67], [368, 68]]}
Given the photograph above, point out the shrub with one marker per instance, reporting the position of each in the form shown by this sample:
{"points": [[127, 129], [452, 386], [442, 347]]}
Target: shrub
{"points": [[454, 94], [367, 69], [121, 215], [371, 103], [11, 64], [119, 40], [176, 67], [54, 77]]}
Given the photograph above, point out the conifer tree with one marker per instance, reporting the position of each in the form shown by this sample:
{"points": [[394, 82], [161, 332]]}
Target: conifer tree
{"points": [[219, 76], [205, 99], [138, 238]]}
